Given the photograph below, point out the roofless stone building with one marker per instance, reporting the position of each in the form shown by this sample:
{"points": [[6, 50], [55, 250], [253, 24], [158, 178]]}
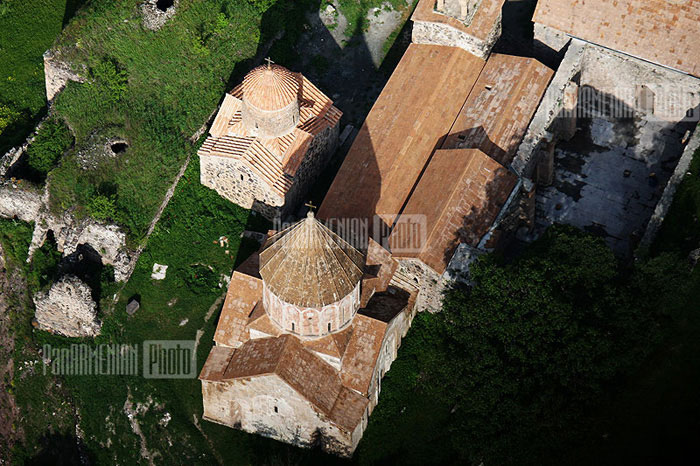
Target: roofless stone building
{"points": [[271, 138]]}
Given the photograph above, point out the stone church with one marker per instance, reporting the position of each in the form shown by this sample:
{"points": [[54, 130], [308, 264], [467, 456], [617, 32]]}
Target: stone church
{"points": [[269, 141], [313, 321], [308, 329]]}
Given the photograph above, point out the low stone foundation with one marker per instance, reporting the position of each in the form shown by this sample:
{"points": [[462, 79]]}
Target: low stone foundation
{"points": [[67, 309]]}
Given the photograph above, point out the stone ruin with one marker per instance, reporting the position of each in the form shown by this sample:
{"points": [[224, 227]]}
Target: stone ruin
{"points": [[68, 309], [157, 12], [463, 10]]}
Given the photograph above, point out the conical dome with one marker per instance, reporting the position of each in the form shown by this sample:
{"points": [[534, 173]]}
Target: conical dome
{"points": [[270, 87], [308, 265]]}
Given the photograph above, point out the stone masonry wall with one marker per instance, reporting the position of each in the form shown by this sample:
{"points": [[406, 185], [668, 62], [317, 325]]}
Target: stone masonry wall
{"points": [[664, 203], [425, 32], [315, 161], [68, 309], [429, 284], [57, 74], [311, 322], [27, 203], [266, 405], [235, 181], [549, 109]]}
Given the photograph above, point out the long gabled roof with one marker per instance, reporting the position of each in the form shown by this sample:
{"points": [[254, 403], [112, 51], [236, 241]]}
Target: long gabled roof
{"points": [[308, 265]]}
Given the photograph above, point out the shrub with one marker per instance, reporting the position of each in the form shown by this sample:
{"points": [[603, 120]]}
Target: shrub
{"points": [[102, 207], [262, 5], [110, 80], [7, 117], [201, 279], [52, 140]]}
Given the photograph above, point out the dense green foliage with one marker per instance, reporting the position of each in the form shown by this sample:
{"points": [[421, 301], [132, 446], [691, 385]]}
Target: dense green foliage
{"points": [[15, 237], [511, 365], [49, 144], [681, 229]]}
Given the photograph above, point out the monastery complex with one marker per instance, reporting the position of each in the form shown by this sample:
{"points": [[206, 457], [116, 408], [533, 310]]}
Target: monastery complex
{"points": [[447, 165]]}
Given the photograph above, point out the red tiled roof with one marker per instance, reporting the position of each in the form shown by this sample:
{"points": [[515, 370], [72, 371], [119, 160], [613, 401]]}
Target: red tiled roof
{"points": [[274, 160], [361, 354], [243, 294], [460, 194], [661, 31], [407, 122], [309, 265], [499, 109], [271, 87]]}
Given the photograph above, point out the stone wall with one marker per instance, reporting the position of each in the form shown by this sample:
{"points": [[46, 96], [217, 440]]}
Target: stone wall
{"points": [[666, 200], [425, 32], [311, 322], [414, 274], [395, 332], [315, 161], [270, 124], [67, 309], [235, 181], [153, 17], [20, 200], [550, 108], [27, 203], [462, 10], [268, 406], [57, 74], [549, 43]]}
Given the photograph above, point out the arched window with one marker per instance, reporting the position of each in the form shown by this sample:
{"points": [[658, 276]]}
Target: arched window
{"points": [[329, 326], [292, 326]]}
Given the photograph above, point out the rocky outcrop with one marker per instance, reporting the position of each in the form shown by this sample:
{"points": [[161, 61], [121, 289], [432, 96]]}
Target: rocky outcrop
{"points": [[157, 12], [67, 309], [57, 74], [19, 200], [108, 241], [25, 202]]}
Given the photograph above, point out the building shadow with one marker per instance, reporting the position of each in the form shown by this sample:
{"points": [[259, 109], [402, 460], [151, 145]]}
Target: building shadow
{"points": [[606, 169]]}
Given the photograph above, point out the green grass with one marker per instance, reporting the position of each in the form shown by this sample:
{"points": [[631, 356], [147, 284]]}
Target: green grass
{"points": [[154, 89], [187, 240], [42, 402], [27, 30]]}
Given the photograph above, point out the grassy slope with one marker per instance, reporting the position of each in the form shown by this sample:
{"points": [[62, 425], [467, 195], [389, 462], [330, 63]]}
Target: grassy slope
{"points": [[158, 111], [42, 402], [27, 30], [175, 78]]}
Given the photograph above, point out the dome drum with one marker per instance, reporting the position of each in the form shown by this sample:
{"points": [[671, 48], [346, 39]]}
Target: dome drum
{"points": [[269, 124], [271, 100], [311, 321]]}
